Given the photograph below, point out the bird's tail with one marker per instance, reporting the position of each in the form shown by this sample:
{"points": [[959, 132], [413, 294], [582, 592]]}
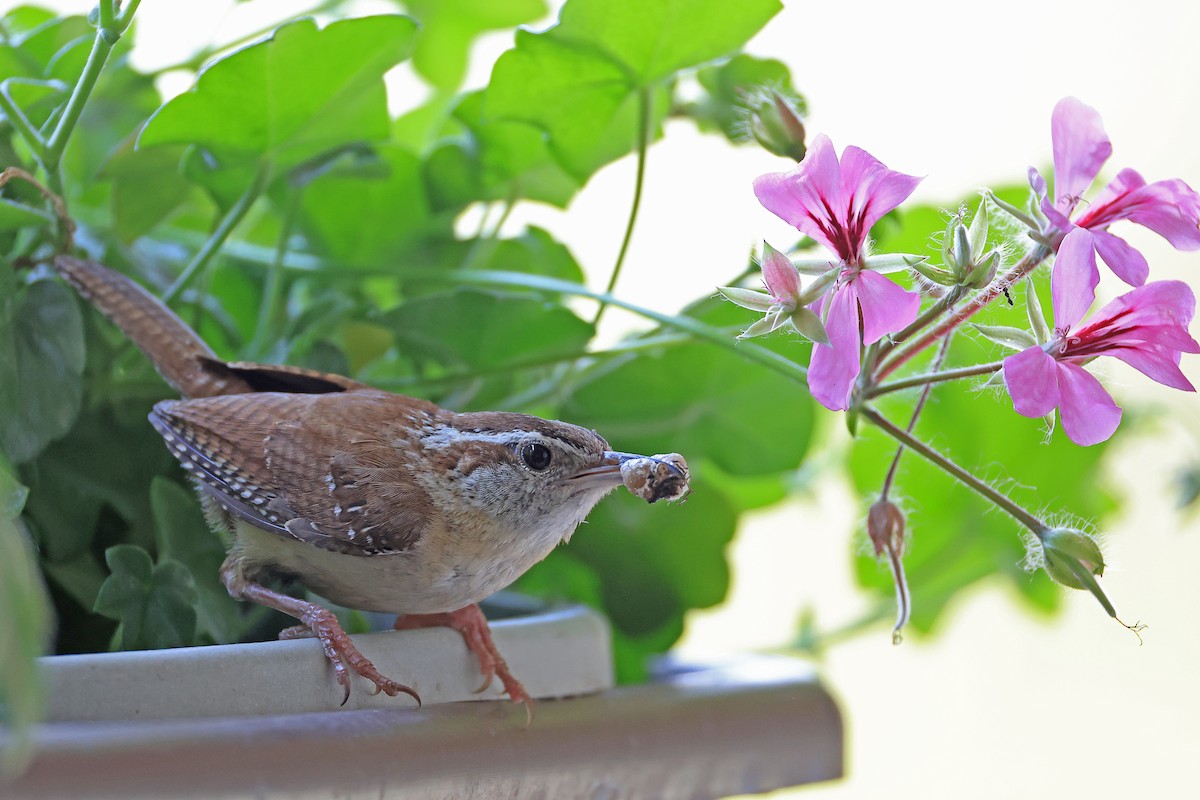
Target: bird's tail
{"points": [[176, 351]]}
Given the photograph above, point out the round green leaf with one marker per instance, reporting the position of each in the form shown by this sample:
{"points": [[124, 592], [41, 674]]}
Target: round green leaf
{"points": [[41, 363], [298, 94]]}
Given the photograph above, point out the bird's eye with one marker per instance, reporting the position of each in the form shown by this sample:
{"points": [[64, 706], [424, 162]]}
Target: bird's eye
{"points": [[536, 456]]}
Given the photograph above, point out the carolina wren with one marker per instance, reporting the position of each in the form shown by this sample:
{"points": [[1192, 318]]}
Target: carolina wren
{"points": [[373, 500]]}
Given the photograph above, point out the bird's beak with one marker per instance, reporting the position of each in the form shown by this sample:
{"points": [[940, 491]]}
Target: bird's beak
{"points": [[607, 474]]}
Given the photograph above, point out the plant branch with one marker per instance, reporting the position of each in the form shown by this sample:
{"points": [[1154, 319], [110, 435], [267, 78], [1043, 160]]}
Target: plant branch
{"points": [[20, 122], [622, 348], [694, 327], [268, 309], [56, 143], [944, 463], [993, 290], [643, 141], [945, 302], [912, 422], [232, 217], [934, 376]]}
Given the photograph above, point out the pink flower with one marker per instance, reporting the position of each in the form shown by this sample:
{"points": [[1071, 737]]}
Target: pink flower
{"points": [[836, 203], [1146, 328], [1170, 208]]}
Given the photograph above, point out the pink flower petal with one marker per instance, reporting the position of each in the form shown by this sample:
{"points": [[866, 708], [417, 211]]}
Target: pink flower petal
{"points": [[886, 306], [1126, 263], [870, 188], [780, 275], [1155, 314], [1156, 363], [1170, 208], [1080, 149], [804, 196], [833, 369], [1088, 412], [1099, 211], [1032, 380], [1074, 278]]}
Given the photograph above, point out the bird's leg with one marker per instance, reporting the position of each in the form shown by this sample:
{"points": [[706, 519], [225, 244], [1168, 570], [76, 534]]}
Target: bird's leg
{"points": [[473, 625], [317, 622]]}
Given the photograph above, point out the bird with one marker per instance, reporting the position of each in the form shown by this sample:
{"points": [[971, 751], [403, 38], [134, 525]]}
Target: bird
{"points": [[373, 500]]}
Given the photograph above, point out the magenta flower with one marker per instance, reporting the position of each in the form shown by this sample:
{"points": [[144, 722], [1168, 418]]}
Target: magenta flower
{"points": [[1170, 208], [1146, 328], [836, 203]]}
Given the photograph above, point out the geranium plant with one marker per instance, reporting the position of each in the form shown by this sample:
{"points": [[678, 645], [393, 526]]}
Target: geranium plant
{"points": [[288, 215]]}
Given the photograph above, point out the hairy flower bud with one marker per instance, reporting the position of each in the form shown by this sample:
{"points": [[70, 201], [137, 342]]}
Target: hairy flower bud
{"points": [[1071, 558], [776, 124], [885, 526], [964, 250]]}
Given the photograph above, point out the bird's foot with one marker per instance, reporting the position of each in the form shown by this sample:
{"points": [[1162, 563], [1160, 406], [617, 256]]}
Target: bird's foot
{"points": [[473, 626]]}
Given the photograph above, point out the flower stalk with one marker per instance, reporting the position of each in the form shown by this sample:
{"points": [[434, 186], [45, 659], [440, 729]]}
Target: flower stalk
{"points": [[1017, 512]]}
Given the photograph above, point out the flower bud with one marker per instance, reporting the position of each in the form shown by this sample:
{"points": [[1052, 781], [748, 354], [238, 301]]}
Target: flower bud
{"points": [[1071, 558], [776, 124], [885, 526], [964, 250]]}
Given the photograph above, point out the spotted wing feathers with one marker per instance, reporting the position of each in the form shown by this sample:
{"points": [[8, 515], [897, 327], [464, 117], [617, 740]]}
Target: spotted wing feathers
{"points": [[275, 461]]}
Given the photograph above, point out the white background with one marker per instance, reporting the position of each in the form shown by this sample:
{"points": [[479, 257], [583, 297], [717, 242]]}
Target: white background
{"points": [[1000, 704]]}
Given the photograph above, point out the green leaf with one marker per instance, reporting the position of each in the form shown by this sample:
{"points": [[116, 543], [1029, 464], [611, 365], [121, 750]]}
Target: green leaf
{"points": [[41, 362], [25, 634], [153, 602], [186, 537], [580, 81], [701, 401], [367, 220], [12, 492], [14, 216], [478, 329], [147, 187], [495, 160], [584, 101], [448, 27], [655, 563], [656, 38], [300, 93]]}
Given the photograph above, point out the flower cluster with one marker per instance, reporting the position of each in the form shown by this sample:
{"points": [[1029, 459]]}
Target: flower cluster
{"points": [[852, 304], [836, 201], [864, 326]]}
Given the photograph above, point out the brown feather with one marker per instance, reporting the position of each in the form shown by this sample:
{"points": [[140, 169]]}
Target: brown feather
{"points": [[319, 468]]}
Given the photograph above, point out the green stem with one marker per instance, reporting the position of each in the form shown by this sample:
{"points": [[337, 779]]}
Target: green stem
{"points": [[643, 141], [56, 143], [230, 221], [694, 327], [952, 296], [942, 462], [20, 122], [622, 348], [485, 240], [912, 422], [126, 16], [993, 290], [936, 376], [268, 309], [108, 15]]}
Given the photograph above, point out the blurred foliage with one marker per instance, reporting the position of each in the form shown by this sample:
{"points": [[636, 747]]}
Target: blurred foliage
{"points": [[289, 216]]}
